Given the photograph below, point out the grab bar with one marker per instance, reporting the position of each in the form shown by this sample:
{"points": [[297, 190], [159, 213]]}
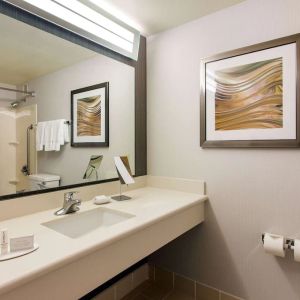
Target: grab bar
{"points": [[26, 169]]}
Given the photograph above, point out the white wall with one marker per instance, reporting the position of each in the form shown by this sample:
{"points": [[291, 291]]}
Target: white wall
{"points": [[54, 102], [250, 190]]}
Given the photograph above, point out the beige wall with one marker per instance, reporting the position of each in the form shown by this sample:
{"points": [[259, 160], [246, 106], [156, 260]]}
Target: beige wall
{"points": [[250, 190]]}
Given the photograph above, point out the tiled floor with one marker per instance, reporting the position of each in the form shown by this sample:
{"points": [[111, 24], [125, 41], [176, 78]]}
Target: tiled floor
{"points": [[154, 283], [165, 285], [152, 291]]}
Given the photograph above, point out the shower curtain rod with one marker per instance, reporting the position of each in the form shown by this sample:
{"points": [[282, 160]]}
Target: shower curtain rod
{"points": [[31, 94]]}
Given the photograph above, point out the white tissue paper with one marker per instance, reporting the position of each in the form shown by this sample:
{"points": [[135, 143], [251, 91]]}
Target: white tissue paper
{"points": [[297, 250], [274, 244]]}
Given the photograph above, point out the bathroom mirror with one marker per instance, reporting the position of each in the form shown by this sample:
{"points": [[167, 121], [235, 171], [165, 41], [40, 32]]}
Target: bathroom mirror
{"points": [[62, 104]]}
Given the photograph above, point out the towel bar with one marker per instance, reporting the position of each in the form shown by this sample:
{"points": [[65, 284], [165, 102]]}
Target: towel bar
{"points": [[26, 169]]}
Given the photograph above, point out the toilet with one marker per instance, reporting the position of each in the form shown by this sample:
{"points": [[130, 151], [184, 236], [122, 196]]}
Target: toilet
{"points": [[43, 181]]}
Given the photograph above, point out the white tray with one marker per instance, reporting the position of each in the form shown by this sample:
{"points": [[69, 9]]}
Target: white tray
{"points": [[11, 255]]}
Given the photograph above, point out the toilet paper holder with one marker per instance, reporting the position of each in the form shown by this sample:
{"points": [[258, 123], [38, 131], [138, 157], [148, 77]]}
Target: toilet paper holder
{"points": [[288, 242]]}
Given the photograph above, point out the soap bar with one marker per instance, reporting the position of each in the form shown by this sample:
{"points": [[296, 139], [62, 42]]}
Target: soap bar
{"points": [[21, 243], [102, 199]]}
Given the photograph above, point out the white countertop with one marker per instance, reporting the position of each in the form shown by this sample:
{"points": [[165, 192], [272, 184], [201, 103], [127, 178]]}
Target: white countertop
{"points": [[148, 204]]}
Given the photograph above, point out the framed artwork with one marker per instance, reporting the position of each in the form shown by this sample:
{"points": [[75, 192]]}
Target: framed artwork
{"points": [[250, 97], [90, 116]]}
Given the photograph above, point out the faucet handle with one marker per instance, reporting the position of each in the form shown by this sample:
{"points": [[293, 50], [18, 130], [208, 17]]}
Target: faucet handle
{"points": [[69, 195]]}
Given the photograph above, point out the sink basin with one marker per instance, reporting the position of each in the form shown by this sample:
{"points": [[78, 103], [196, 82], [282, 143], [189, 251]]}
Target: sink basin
{"points": [[79, 224]]}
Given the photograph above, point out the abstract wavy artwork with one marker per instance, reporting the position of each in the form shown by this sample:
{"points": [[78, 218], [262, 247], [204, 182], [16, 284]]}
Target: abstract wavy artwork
{"points": [[89, 116], [249, 96]]}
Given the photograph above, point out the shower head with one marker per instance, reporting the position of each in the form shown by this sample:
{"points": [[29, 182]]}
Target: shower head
{"points": [[15, 104]]}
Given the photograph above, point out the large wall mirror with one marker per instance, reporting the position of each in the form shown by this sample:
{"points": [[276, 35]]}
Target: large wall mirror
{"points": [[77, 108]]}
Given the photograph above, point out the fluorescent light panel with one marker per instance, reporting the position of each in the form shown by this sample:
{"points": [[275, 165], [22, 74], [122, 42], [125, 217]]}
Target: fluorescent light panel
{"points": [[110, 8], [97, 18], [91, 21], [78, 21]]}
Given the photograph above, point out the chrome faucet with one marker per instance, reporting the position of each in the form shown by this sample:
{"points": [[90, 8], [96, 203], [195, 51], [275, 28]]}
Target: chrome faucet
{"points": [[70, 204]]}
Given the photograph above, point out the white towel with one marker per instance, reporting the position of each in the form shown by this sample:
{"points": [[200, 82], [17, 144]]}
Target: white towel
{"points": [[56, 134], [66, 132], [59, 126], [49, 136], [40, 136]]}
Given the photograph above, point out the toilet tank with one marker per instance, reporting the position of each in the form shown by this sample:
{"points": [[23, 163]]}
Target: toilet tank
{"points": [[43, 181]]}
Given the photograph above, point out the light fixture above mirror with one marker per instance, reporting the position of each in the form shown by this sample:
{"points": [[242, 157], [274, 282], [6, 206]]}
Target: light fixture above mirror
{"points": [[87, 20]]}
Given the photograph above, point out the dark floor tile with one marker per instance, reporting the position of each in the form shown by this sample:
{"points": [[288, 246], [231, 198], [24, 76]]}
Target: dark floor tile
{"points": [[229, 297], [178, 295], [206, 293], [137, 291], [156, 292], [163, 278], [184, 285], [151, 272], [141, 297]]}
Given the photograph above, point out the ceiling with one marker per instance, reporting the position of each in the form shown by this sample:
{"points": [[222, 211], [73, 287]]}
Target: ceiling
{"points": [[153, 16], [27, 52]]}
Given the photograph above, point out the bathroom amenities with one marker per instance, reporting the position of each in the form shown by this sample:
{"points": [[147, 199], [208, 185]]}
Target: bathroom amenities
{"points": [[17, 246], [21, 243], [4, 241], [102, 199]]}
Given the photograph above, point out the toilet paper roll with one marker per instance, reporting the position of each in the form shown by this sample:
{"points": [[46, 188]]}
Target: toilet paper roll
{"points": [[297, 250], [274, 244]]}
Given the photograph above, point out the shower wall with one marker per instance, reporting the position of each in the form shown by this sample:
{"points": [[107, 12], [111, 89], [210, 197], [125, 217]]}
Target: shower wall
{"points": [[25, 116], [7, 145], [13, 151]]}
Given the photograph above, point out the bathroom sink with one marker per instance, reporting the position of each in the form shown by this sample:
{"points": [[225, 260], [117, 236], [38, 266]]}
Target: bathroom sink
{"points": [[78, 224]]}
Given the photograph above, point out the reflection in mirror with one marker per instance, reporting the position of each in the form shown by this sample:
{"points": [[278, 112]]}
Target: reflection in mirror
{"points": [[125, 175], [93, 167], [38, 72]]}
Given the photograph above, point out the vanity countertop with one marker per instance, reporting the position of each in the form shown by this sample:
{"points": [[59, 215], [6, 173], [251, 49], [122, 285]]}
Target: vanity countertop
{"points": [[148, 205]]}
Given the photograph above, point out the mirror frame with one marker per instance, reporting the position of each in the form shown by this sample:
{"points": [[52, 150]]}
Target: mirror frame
{"points": [[140, 89]]}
